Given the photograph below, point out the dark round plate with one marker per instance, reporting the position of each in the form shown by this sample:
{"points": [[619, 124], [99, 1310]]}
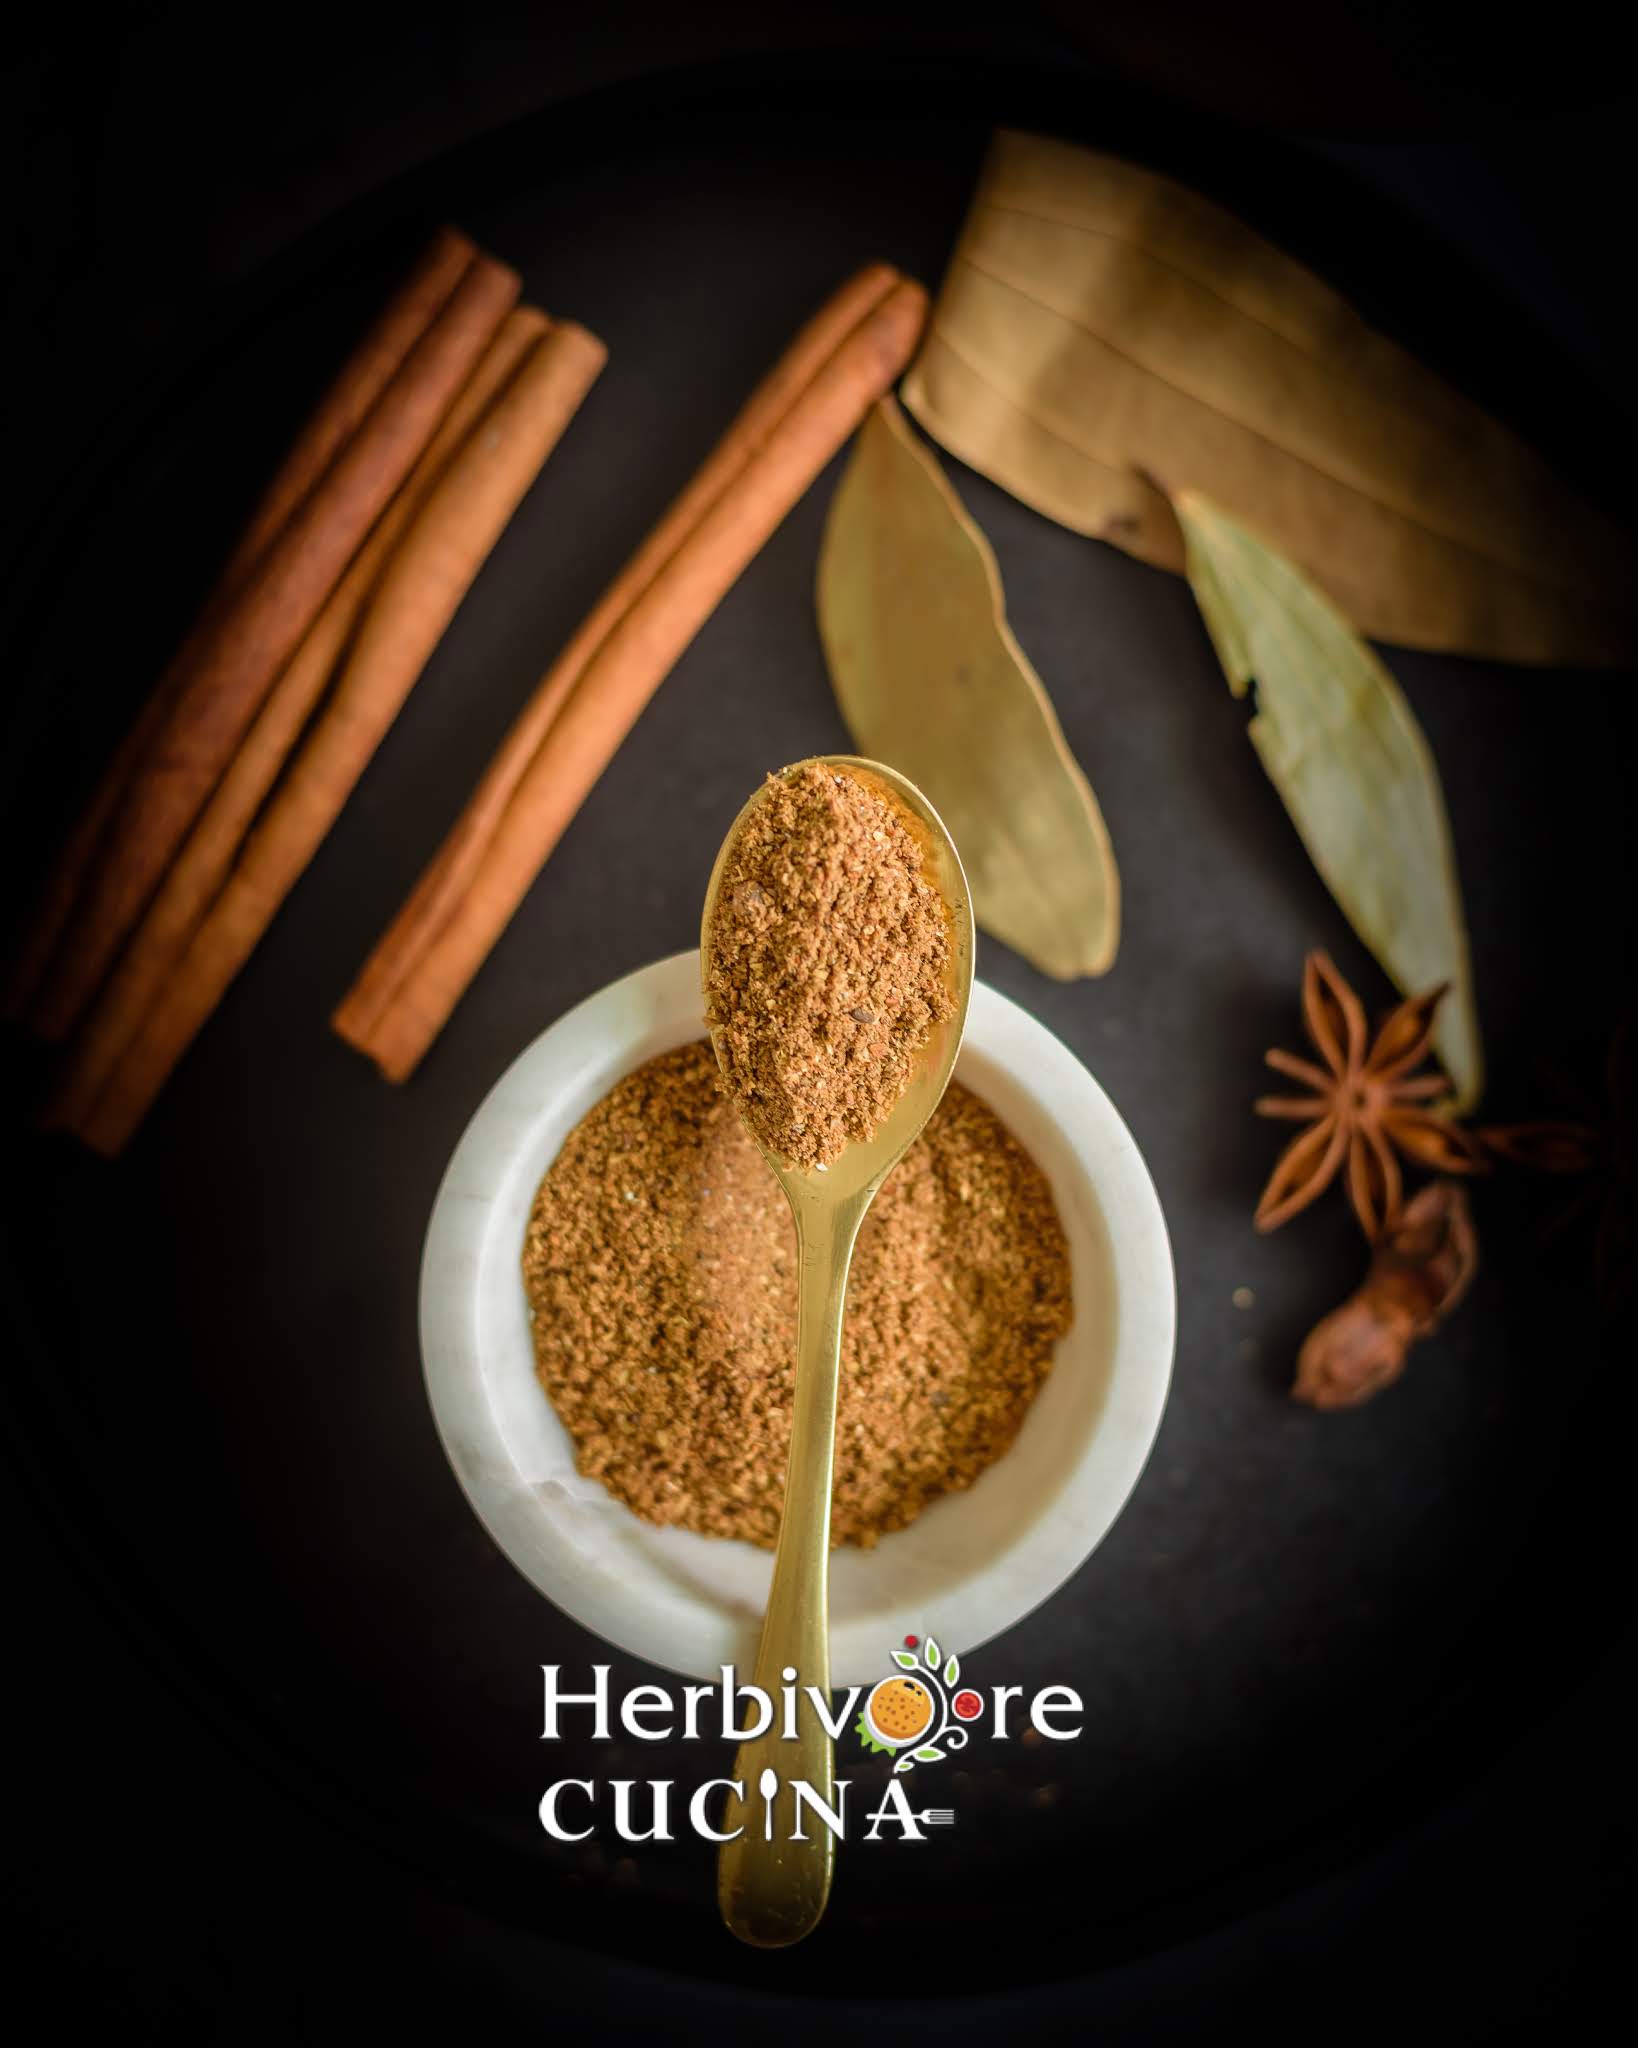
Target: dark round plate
{"points": [[1303, 1629]]}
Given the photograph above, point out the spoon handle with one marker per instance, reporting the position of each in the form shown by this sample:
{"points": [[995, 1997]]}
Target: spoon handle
{"points": [[772, 1892]]}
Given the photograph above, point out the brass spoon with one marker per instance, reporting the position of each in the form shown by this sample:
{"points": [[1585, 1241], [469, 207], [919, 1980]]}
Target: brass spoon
{"points": [[770, 1892]]}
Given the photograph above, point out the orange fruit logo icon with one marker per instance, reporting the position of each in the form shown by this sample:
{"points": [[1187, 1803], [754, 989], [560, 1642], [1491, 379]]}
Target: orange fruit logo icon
{"points": [[922, 1717], [899, 1709]]}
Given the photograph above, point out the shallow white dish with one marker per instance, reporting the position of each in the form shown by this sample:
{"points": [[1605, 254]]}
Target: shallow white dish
{"points": [[976, 1561]]}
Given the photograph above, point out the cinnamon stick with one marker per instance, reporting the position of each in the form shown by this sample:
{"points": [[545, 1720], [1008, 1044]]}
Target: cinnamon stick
{"points": [[417, 594], [585, 705], [202, 866], [367, 372], [352, 392], [246, 647]]}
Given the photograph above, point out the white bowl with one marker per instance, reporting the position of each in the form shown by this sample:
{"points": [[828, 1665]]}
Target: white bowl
{"points": [[976, 1561]]}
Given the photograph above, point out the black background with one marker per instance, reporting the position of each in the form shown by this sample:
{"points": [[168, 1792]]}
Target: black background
{"points": [[1355, 1684]]}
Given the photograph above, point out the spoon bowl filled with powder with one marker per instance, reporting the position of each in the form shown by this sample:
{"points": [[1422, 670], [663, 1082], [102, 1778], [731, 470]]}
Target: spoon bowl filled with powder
{"points": [[836, 950]]}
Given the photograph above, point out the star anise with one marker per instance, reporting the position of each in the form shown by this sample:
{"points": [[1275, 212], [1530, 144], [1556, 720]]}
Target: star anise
{"points": [[1367, 1105]]}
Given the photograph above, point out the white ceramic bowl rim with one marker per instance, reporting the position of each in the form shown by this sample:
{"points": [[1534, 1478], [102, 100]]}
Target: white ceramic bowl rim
{"points": [[974, 1563]]}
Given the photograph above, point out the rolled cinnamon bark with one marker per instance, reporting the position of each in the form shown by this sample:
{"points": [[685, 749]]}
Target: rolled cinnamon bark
{"points": [[354, 390], [418, 593], [206, 857], [356, 387], [248, 644], [585, 705], [438, 893]]}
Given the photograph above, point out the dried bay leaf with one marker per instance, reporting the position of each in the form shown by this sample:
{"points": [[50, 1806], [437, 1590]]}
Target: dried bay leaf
{"points": [[930, 680], [1343, 748], [1105, 338]]}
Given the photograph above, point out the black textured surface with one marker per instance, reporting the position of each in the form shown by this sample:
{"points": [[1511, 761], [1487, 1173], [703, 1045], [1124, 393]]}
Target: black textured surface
{"points": [[1301, 1631]]}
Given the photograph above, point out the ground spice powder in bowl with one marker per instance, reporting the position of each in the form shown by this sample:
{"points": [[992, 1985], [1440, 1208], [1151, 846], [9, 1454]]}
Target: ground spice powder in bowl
{"points": [[659, 1263], [827, 963]]}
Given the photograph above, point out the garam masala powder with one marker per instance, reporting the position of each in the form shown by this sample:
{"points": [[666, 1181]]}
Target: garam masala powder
{"points": [[660, 1266], [827, 963]]}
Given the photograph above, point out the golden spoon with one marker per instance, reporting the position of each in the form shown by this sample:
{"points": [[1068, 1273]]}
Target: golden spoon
{"points": [[773, 1892]]}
